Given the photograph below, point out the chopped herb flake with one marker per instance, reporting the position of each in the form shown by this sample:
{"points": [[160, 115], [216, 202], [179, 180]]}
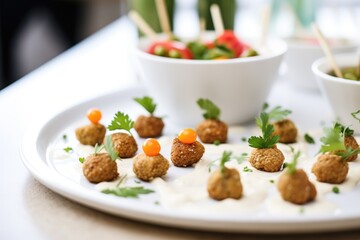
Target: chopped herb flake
{"points": [[336, 190], [128, 192], [217, 142], [68, 149], [246, 169], [309, 139], [81, 159]]}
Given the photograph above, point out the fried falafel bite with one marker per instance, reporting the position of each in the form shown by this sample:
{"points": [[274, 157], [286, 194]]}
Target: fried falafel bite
{"points": [[349, 141], [150, 164], [330, 168], [287, 131], [99, 168], [212, 129], [148, 126], [93, 133], [124, 142], [185, 150], [294, 185], [265, 156], [225, 182], [283, 127]]}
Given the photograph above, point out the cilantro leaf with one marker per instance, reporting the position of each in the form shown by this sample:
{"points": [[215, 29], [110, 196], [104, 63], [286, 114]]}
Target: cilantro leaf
{"points": [[309, 139], [109, 147], [121, 121], [68, 149], [128, 192], [267, 140], [211, 110], [147, 103], [224, 159], [277, 113], [333, 141], [291, 167], [348, 131]]}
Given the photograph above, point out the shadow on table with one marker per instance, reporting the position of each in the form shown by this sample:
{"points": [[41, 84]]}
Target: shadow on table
{"points": [[60, 218]]}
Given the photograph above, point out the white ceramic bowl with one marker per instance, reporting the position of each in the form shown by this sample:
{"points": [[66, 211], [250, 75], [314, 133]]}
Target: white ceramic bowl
{"points": [[238, 86], [342, 95], [301, 55]]}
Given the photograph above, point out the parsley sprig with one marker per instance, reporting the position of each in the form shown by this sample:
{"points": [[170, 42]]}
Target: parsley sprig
{"points": [[291, 167], [127, 192], [211, 110], [354, 114], [333, 140], [109, 148], [277, 113], [267, 140], [224, 159], [121, 121], [346, 130], [147, 103]]}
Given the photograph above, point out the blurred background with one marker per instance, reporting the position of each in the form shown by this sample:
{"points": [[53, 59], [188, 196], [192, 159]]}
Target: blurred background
{"points": [[33, 32]]}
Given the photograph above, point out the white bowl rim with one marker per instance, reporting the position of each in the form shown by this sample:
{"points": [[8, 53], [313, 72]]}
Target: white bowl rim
{"points": [[280, 51], [322, 61], [352, 44]]}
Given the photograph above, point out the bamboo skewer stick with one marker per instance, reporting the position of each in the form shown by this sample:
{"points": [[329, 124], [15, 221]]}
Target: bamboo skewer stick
{"points": [[142, 25], [265, 18], [164, 18], [202, 28], [217, 20], [325, 47]]}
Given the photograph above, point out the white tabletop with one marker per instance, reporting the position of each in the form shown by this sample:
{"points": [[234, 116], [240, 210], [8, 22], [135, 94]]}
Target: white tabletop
{"points": [[99, 65]]}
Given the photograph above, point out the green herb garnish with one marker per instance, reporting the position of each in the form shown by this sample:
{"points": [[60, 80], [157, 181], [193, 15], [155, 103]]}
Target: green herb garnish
{"points": [[64, 137], [121, 121], [356, 113], [267, 140], [271, 181], [333, 140], [277, 113], [147, 103], [137, 181], [128, 192], [224, 159], [336, 190], [291, 167], [346, 130], [98, 148], [216, 142], [157, 203], [309, 139], [81, 159], [211, 110], [246, 169], [68, 149], [109, 147], [302, 210], [240, 159], [244, 139]]}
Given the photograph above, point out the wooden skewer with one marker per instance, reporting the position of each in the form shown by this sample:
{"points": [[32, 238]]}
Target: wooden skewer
{"points": [[265, 18], [142, 25], [163, 17], [202, 28], [325, 47], [217, 20]]}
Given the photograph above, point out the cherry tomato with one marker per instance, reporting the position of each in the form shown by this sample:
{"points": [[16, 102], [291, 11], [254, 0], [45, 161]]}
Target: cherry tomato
{"points": [[151, 147], [229, 39], [187, 135], [170, 49], [94, 115]]}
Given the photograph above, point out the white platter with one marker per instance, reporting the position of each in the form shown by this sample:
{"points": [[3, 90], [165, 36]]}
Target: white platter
{"points": [[35, 154]]}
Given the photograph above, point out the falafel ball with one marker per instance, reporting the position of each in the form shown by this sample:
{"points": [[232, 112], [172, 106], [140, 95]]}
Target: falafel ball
{"points": [[267, 159], [186, 154], [350, 142], [99, 168], [287, 131], [296, 187], [330, 168], [212, 130], [148, 126], [147, 168], [124, 144], [91, 134], [225, 184]]}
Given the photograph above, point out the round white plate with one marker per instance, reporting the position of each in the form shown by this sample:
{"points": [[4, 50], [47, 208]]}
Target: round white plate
{"points": [[39, 140]]}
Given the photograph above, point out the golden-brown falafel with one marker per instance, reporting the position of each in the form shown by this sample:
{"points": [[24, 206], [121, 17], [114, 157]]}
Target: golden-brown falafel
{"points": [[186, 154], [91, 134], [296, 187], [225, 184], [212, 130], [287, 131], [350, 142], [147, 168], [99, 167], [330, 168], [124, 144], [149, 126], [267, 159]]}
